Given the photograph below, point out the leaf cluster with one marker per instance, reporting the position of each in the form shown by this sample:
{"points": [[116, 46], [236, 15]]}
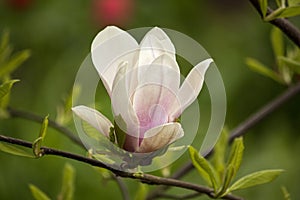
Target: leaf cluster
{"points": [[285, 8], [287, 61], [9, 62], [219, 174]]}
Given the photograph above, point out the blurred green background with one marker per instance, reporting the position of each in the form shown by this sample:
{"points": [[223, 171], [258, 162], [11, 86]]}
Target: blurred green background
{"points": [[59, 34]]}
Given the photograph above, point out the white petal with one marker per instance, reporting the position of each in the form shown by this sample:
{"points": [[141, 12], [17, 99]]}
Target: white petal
{"points": [[109, 48], [155, 43], [104, 35], [160, 136], [94, 118], [192, 85], [121, 102], [154, 100], [170, 69]]}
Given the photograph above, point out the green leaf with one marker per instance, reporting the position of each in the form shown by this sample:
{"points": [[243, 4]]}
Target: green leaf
{"points": [[291, 64], [14, 62], [36, 146], [94, 134], [219, 153], [290, 12], [263, 6], [234, 163], [142, 192], [120, 134], [8, 148], [6, 87], [44, 127], [5, 53], [260, 68], [4, 39], [293, 2], [67, 190], [278, 3], [286, 194], [256, 178], [229, 174], [284, 12], [64, 112], [204, 168], [277, 42], [37, 193], [236, 154]]}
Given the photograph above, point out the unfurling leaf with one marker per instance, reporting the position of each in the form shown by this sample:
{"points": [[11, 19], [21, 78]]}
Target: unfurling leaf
{"points": [[286, 194], [234, 162], [6, 87], [260, 68], [67, 189], [256, 178], [219, 154], [8, 148], [36, 146], [8, 67], [277, 42], [263, 7], [236, 154], [204, 168], [44, 127], [291, 64], [37, 193]]}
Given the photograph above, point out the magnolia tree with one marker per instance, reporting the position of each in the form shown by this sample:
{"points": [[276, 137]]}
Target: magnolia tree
{"points": [[154, 114]]}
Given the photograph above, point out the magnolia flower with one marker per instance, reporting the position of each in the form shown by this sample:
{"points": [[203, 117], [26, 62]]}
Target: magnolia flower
{"points": [[143, 82]]}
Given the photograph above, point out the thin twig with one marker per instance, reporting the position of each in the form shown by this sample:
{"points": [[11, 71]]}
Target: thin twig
{"points": [[68, 133], [240, 130], [145, 178], [284, 25], [36, 118]]}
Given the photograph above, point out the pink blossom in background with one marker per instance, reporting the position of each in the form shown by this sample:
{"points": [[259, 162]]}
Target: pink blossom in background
{"points": [[19, 4]]}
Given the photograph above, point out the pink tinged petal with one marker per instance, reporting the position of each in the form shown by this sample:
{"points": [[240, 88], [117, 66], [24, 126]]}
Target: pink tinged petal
{"points": [[122, 106], [109, 48], [94, 118], [192, 85], [159, 137], [156, 95], [153, 105], [155, 43]]}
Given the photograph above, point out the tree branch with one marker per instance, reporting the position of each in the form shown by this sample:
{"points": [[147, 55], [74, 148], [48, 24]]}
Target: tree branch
{"points": [[145, 178], [68, 133], [36, 118], [240, 130], [284, 25]]}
